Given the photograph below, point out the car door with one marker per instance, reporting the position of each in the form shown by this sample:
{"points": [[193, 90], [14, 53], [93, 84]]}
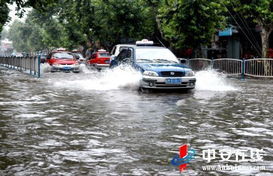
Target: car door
{"points": [[124, 57], [93, 59]]}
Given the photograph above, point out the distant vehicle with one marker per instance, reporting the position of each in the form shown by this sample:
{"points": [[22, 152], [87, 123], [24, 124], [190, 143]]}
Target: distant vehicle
{"points": [[159, 66], [19, 55], [63, 61], [79, 56], [16, 54], [99, 59], [42, 58]]}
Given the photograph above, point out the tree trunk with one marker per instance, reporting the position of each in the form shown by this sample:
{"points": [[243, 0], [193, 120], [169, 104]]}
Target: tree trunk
{"points": [[265, 40]]}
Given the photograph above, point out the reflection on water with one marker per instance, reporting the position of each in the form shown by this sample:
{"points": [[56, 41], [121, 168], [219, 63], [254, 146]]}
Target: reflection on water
{"points": [[90, 124]]}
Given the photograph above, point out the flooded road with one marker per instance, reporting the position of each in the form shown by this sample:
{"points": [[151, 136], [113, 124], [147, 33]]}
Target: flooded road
{"points": [[99, 124]]}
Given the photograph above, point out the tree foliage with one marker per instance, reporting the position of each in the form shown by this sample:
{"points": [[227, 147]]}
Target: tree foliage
{"points": [[191, 23], [178, 23], [20, 4], [259, 12], [33, 35], [4, 11]]}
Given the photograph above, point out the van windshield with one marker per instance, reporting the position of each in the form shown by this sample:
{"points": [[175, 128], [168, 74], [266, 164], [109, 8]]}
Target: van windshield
{"points": [[155, 55]]}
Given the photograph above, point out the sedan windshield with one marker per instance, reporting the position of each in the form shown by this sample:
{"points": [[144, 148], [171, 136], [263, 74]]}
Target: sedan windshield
{"points": [[104, 55], [63, 56], [79, 55], [155, 55]]}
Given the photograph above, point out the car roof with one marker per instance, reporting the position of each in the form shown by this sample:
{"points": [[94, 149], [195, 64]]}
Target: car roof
{"points": [[149, 47], [125, 45], [142, 46], [53, 52]]}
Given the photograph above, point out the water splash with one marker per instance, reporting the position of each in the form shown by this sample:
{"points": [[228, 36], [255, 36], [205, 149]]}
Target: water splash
{"points": [[45, 67], [109, 79], [126, 77], [213, 81]]}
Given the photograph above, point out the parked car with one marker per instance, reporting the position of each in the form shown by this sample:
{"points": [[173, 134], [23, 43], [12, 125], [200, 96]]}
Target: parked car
{"points": [[159, 66], [78, 55], [99, 59], [63, 61]]}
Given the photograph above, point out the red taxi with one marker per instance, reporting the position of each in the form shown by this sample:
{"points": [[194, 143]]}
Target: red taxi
{"points": [[99, 59], [63, 61]]}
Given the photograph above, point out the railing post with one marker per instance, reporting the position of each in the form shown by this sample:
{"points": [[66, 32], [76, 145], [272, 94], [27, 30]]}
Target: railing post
{"points": [[243, 69], [39, 66], [34, 66], [30, 65]]}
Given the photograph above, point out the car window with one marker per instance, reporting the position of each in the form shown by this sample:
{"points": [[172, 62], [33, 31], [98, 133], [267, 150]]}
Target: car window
{"points": [[125, 54], [79, 55], [63, 55], [122, 47], [104, 55], [113, 50]]}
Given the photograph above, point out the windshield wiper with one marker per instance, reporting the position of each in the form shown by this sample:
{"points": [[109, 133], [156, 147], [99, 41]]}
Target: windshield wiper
{"points": [[165, 60], [145, 60]]}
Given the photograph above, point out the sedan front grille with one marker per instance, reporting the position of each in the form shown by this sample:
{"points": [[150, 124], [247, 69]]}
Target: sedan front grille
{"points": [[172, 74]]}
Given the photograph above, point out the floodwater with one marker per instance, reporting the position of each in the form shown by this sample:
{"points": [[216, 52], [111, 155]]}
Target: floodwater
{"points": [[98, 123]]}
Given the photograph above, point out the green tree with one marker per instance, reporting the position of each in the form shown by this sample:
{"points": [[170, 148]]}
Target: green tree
{"points": [[21, 4], [4, 34], [35, 35], [121, 21], [191, 23], [4, 14], [102, 21], [18, 34], [261, 13], [48, 29]]}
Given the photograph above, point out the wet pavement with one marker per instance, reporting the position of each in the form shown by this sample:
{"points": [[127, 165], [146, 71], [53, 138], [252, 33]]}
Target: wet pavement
{"points": [[100, 124]]}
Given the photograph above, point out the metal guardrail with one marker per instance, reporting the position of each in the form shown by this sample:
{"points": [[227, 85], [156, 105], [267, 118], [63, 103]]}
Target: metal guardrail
{"points": [[259, 67], [228, 66], [30, 65], [198, 64]]}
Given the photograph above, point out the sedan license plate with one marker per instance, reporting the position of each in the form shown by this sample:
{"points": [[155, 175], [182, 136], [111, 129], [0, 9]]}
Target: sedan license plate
{"points": [[173, 81], [66, 68]]}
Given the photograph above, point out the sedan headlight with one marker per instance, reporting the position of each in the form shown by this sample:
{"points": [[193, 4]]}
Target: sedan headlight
{"points": [[150, 73], [189, 73]]}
